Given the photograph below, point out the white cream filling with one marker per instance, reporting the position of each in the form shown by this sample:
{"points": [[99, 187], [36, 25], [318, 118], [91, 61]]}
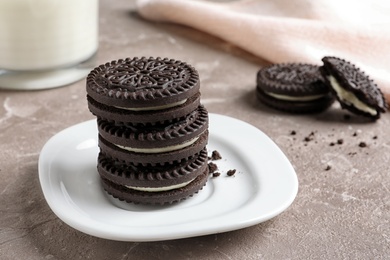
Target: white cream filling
{"points": [[161, 149], [155, 107], [158, 189], [292, 98], [349, 98]]}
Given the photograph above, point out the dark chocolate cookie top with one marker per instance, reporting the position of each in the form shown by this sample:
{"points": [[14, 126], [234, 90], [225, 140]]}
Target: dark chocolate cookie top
{"points": [[142, 82], [352, 79], [292, 79]]}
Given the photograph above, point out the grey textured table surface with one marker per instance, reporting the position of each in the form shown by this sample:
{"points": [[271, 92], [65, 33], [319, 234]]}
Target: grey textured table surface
{"points": [[339, 213]]}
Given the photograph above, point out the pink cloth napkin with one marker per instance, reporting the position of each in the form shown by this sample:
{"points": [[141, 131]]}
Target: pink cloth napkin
{"points": [[292, 31]]}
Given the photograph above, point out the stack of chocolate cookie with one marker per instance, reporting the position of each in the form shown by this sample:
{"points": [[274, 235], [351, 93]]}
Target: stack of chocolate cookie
{"points": [[152, 129]]}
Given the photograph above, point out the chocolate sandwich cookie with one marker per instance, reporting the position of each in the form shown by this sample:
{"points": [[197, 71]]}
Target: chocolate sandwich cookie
{"points": [[158, 143], [163, 197], [354, 90], [293, 87], [172, 156], [154, 185], [143, 90]]}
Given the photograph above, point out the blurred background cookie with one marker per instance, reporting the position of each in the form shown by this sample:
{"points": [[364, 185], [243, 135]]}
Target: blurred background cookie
{"points": [[293, 87], [354, 89]]}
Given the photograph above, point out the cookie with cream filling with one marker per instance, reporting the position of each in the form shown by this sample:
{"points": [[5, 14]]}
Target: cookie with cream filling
{"points": [[155, 144], [293, 87], [163, 184], [354, 89], [143, 90]]}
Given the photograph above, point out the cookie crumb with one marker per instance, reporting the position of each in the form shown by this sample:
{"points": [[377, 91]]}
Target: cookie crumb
{"points": [[215, 155], [340, 141], [331, 144], [212, 167], [375, 137], [362, 144], [309, 138], [231, 172], [354, 134], [216, 174], [328, 167], [293, 132]]}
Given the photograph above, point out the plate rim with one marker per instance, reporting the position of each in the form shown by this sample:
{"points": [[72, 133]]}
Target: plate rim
{"points": [[101, 232]]}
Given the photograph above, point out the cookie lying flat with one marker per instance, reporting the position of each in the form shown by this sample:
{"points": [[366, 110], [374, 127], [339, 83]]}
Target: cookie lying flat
{"points": [[293, 87], [143, 90], [155, 144], [353, 88], [153, 185]]}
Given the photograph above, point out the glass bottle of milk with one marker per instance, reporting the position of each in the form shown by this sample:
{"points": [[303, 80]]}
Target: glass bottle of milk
{"points": [[46, 43]]}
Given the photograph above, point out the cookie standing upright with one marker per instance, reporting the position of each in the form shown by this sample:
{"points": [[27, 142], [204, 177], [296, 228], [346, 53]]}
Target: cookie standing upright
{"points": [[354, 89], [153, 131], [293, 87]]}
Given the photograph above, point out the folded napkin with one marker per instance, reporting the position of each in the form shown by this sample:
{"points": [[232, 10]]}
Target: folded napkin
{"points": [[292, 31]]}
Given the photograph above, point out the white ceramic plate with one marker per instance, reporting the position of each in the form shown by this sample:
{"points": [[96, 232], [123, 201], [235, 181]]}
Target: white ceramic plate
{"points": [[264, 185]]}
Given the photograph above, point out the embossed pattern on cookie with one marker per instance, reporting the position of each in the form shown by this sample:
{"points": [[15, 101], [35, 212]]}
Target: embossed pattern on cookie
{"points": [[146, 82]]}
